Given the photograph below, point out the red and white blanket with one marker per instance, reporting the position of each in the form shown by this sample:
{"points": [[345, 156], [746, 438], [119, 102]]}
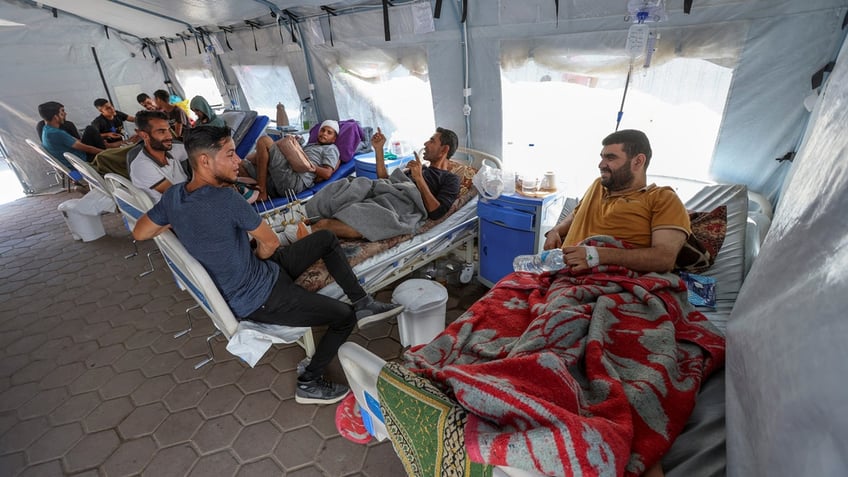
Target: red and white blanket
{"points": [[588, 374]]}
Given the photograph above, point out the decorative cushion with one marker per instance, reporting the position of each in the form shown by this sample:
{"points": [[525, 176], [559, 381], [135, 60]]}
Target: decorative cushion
{"points": [[466, 175], [702, 247], [350, 135]]}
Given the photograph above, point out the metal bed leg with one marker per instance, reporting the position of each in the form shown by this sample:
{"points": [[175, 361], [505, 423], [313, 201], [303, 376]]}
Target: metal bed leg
{"points": [[149, 262], [190, 325], [211, 356]]}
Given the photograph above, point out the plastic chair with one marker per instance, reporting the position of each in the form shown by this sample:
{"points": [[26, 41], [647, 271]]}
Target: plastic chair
{"points": [[132, 204], [91, 176], [199, 284], [60, 170]]}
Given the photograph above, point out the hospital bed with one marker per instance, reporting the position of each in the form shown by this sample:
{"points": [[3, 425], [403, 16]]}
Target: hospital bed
{"points": [[699, 450], [247, 126]]}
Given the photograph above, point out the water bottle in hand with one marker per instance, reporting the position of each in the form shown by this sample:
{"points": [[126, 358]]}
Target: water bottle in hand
{"points": [[547, 261]]}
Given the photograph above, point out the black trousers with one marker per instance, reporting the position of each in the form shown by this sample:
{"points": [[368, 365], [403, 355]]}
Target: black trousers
{"points": [[291, 305]]}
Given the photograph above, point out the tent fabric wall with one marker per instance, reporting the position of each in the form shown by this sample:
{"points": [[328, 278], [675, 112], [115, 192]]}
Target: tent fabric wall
{"points": [[765, 115], [785, 42], [50, 59], [786, 349]]}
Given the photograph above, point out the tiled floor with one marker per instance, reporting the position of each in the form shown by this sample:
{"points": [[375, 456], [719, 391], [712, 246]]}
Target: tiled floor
{"points": [[93, 383]]}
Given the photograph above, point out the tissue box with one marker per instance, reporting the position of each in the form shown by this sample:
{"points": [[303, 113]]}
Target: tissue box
{"points": [[702, 289]]}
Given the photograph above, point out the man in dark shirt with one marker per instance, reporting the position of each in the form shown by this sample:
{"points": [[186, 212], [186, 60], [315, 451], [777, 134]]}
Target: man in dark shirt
{"points": [[438, 187], [110, 123], [176, 116], [146, 102]]}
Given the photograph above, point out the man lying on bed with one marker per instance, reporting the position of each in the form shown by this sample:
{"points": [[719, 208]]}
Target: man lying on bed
{"points": [[377, 209], [592, 370], [279, 166]]}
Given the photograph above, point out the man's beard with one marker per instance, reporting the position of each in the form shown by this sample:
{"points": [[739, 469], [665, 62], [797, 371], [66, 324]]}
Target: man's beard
{"points": [[618, 179], [160, 145], [224, 180]]}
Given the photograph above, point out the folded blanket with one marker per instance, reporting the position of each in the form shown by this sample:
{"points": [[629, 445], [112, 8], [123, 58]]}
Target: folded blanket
{"points": [[588, 374], [376, 208]]}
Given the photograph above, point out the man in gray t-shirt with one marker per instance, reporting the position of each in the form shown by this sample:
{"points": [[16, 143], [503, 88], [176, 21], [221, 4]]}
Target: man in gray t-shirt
{"points": [[285, 165]]}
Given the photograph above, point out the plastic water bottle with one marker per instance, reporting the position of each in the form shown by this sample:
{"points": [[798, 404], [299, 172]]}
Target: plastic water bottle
{"points": [[547, 261], [307, 113], [282, 117]]}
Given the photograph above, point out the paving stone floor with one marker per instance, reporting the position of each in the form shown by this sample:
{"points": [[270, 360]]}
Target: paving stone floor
{"points": [[92, 382]]}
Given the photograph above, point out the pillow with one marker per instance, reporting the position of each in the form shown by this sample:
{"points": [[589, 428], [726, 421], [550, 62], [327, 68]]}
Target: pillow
{"points": [[702, 247], [465, 173], [350, 135]]}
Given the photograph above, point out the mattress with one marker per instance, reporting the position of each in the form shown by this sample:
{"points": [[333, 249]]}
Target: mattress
{"points": [[700, 450]]}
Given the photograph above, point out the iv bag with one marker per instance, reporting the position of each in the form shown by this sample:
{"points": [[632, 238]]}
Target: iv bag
{"points": [[637, 39]]}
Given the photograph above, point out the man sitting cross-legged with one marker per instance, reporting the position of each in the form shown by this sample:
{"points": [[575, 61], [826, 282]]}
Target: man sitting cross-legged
{"points": [[285, 165], [216, 225]]}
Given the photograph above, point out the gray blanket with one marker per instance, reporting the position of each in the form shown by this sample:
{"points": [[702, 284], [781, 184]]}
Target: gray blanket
{"points": [[377, 209]]}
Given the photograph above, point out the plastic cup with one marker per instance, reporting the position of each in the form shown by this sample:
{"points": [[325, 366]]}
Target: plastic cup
{"points": [[529, 185], [508, 182]]}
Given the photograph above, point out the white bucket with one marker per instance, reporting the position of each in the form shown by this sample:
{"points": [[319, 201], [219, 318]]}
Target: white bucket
{"points": [[424, 306], [82, 226]]}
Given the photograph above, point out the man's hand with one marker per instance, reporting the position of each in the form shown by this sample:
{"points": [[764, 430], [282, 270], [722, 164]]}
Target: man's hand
{"points": [[575, 258], [378, 140], [415, 168], [552, 240]]}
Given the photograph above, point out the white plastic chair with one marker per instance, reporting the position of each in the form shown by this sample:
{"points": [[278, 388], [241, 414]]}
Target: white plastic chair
{"points": [[91, 176], [61, 171], [199, 284], [132, 204]]}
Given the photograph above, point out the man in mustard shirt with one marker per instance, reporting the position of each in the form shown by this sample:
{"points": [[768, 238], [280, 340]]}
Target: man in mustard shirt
{"points": [[621, 204]]}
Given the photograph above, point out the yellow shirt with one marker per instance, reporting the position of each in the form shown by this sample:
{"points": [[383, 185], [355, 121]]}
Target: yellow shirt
{"points": [[630, 217]]}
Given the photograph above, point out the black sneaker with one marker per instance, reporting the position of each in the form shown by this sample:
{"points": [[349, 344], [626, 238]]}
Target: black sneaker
{"points": [[319, 391], [370, 311]]}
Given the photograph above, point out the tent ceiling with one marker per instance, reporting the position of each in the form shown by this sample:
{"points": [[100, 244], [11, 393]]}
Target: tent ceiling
{"points": [[157, 18]]}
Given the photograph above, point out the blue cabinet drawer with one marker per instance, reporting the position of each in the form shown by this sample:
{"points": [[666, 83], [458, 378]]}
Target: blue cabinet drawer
{"points": [[506, 217]]}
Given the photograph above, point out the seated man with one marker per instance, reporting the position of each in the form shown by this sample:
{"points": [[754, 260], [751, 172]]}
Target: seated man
{"points": [[146, 102], [110, 123], [622, 205], [285, 165], [205, 115], [216, 225], [389, 206], [176, 116], [58, 141], [602, 355], [160, 164]]}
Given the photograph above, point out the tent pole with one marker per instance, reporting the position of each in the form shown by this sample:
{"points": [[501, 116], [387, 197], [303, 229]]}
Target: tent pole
{"points": [[100, 70]]}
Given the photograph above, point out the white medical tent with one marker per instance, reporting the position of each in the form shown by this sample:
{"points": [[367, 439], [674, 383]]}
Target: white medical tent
{"points": [[773, 72]]}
